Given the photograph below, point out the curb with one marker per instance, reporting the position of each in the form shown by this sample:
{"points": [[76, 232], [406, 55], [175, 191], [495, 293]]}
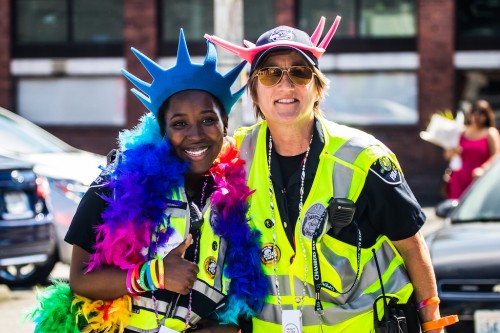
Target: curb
{"points": [[5, 293]]}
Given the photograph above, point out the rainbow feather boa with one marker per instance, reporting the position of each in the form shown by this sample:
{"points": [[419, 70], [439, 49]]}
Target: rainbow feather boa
{"points": [[141, 178]]}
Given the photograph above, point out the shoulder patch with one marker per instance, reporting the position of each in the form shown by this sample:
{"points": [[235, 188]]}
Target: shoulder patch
{"points": [[386, 170], [102, 179]]}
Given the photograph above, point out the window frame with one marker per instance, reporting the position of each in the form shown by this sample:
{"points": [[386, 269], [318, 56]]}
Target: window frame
{"points": [[342, 44], [68, 48]]}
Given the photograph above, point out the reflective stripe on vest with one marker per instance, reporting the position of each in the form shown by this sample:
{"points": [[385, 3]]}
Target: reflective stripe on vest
{"points": [[345, 159], [211, 284], [341, 307]]}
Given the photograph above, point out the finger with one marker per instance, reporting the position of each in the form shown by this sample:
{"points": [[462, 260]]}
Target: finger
{"points": [[179, 250]]}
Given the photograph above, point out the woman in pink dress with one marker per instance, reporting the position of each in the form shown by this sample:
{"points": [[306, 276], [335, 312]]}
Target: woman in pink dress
{"points": [[479, 145]]}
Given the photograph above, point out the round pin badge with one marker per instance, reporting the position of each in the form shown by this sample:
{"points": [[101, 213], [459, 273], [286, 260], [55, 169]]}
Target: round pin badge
{"points": [[268, 223], [210, 266], [267, 254]]}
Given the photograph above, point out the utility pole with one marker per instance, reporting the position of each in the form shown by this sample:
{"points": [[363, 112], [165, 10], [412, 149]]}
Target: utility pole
{"points": [[229, 22]]}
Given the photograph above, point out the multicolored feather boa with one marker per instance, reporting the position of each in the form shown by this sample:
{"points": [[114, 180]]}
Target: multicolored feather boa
{"points": [[142, 178]]}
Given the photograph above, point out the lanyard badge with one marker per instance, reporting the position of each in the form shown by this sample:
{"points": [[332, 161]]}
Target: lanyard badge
{"points": [[291, 321]]}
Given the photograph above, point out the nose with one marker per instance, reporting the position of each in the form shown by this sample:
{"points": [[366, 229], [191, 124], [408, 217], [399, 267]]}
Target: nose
{"points": [[195, 131], [285, 79]]}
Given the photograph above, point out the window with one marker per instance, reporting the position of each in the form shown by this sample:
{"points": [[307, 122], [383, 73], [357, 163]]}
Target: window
{"points": [[196, 17], [259, 18], [51, 28], [366, 25], [477, 24], [385, 98], [103, 96]]}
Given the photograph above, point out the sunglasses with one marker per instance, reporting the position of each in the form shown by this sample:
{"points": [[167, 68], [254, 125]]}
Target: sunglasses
{"points": [[271, 76]]}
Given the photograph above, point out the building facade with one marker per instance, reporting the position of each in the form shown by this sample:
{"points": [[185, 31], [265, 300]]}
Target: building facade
{"points": [[392, 63]]}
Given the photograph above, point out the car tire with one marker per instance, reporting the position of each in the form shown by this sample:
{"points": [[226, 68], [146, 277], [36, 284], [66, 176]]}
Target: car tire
{"points": [[27, 275]]}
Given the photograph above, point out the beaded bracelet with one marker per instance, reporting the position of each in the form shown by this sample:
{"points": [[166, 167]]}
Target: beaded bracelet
{"points": [[429, 301], [161, 274], [439, 323]]}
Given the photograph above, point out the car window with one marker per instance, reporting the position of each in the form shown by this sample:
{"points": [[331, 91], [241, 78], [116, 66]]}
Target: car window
{"points": [[22, 137], [481, 202]]}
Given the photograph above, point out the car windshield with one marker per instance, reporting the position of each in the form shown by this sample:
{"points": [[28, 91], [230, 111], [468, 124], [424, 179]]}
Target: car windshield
{"points": [[481, 202], [19, 136]]}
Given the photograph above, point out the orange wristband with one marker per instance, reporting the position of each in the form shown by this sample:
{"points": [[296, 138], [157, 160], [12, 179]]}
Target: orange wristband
{"points": [[429, 301], [439, 323]]}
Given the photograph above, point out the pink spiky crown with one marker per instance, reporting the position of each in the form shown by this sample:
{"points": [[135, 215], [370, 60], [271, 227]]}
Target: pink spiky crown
{"points": [[282, 37]]}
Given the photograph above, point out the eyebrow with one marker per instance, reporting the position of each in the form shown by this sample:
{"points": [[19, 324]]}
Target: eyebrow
{"points": [[295, 63], [203, 112]]}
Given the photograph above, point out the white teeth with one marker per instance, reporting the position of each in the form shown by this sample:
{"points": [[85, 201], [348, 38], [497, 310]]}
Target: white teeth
{"points": [[287, 100], [196, 152]]}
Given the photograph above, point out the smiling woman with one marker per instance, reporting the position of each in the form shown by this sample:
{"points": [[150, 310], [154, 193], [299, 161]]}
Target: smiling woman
{"points": [[196, 125], [166, 221]]}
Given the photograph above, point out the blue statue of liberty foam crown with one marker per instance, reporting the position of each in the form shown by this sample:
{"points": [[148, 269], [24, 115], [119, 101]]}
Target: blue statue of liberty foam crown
{"points": [[185, 75]]}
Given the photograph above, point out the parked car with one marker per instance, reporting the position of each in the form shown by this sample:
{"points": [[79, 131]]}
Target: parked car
{"points": [[68, 170], [28, 241], [466, 256]]}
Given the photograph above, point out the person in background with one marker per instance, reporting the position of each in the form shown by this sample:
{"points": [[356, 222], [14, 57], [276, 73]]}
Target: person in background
{"points": [[479, 145], [157, 238], [340, 224]]}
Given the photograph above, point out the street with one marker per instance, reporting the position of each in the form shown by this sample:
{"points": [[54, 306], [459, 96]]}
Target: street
{"points": [[15, 304]]}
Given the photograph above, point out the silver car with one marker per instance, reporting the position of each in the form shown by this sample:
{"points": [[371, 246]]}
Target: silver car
{"points": [[466, 256], [68, 170]]}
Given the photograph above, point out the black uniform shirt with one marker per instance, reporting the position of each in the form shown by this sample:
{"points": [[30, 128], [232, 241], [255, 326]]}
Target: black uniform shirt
{"points": [[386, 205]]}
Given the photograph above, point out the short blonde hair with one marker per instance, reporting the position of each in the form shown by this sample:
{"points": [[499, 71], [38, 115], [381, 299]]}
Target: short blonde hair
{"points": [[321, 82]]}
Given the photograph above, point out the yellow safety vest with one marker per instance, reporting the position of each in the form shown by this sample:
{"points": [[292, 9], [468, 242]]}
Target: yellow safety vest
{"points": [[210, 280], [343, 166]]}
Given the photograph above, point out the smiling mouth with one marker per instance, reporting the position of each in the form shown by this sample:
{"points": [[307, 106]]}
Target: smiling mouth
{"points": [[196, 152], [286, 100]]}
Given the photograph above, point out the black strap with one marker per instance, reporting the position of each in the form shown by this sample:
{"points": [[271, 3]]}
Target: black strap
{"points": [[316, 266]]}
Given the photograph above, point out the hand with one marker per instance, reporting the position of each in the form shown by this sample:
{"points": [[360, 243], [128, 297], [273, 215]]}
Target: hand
{"points": [[477, 172], [449, 153], [180, 274]]}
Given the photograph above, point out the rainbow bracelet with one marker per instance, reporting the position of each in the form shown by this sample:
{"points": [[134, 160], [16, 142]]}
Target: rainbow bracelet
{"points": [[429, 301]]}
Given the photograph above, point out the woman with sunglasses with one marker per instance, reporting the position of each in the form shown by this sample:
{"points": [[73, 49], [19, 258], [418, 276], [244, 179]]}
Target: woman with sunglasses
{"points": [[157, 239], [479, 145], [340, 226]]}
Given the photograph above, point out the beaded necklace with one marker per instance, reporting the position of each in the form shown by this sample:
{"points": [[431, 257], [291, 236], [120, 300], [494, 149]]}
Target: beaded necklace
{"points": [[195, 257], [299, 222]]}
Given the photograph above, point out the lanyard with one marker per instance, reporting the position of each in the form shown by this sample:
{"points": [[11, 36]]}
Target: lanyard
{"points": [[317, 270]]}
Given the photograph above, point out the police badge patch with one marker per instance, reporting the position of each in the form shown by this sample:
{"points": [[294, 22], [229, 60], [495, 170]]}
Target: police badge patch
{"points": [[386, 170], [312, 220], [281, 33]]}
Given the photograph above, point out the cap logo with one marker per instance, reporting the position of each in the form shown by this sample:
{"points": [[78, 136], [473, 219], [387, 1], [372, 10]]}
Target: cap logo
{"points": [[281, 33]]}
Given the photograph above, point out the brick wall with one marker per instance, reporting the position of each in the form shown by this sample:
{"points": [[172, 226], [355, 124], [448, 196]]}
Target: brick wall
{"points": [[5, 56], [140, 31]]}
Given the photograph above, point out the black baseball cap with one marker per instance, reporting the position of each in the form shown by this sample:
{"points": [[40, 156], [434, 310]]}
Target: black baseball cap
{"points": [[284, 38]]}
